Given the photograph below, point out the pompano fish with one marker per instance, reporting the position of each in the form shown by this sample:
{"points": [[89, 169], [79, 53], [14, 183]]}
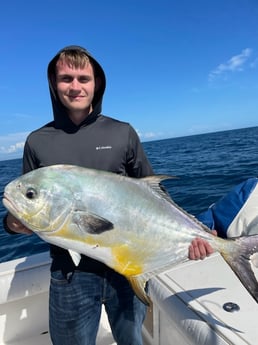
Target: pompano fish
{"points": [[131, 225]]}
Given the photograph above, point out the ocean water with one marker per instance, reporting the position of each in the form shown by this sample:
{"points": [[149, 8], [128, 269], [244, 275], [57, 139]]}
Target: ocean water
{"points": [[207, 166]]}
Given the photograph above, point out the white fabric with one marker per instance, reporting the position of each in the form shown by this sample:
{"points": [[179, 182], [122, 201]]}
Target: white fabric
{"points": [[246, 221]]}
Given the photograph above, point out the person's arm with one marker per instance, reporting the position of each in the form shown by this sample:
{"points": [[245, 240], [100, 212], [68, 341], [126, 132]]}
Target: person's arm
{"points": [[29, 160], [137, 163]]}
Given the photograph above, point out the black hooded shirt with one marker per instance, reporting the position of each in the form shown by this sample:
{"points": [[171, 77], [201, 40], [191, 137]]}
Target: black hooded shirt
{"points": [[99, 142]]}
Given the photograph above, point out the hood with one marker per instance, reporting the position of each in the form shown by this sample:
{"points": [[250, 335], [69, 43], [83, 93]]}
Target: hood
{"points": [[61, 117]]}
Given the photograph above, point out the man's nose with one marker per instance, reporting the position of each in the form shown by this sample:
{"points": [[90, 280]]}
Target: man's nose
{"points": [[75, 84]]}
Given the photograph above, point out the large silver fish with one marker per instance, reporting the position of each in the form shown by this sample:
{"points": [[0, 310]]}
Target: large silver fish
{"points": [[129, 224]]}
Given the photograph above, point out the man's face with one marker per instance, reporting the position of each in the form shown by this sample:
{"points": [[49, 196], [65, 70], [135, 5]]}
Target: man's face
{"points": [[75, 88]]}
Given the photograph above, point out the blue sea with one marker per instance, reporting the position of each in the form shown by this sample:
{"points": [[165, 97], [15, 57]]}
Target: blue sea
{"points": [[207, 167]]}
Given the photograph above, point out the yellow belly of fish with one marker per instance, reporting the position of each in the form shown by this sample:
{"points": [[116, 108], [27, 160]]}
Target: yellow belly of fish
{"points": [[126, 263]]}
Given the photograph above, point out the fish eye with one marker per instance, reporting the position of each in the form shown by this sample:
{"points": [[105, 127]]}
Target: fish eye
{"points": [[31, 193]]}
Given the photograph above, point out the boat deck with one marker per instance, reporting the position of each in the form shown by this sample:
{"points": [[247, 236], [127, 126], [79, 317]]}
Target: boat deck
{"points": [[187, 307]]}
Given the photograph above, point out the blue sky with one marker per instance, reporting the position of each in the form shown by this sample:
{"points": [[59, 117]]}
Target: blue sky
{"points": [[173, 67]]}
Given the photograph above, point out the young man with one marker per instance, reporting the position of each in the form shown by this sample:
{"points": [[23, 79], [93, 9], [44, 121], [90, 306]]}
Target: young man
{"points": [[80, 135]]}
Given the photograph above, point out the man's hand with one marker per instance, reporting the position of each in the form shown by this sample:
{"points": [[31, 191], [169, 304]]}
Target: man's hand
{"points": [[16, 226], [200, 248]]}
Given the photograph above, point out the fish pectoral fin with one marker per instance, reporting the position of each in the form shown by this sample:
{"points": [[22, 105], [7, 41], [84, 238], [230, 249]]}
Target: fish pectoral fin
{"points": [[91, 223], [76, 257], [138, 284]]}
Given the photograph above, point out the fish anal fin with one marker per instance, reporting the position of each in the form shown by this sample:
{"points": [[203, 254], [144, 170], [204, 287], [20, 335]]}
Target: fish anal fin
{"points": [[138, 284]]}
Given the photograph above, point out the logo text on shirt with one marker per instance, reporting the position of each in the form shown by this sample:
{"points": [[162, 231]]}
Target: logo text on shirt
{"points": [[103, 148]]}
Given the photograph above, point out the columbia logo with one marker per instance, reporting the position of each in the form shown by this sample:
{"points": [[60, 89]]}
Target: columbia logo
{"points": [[103, 148]]}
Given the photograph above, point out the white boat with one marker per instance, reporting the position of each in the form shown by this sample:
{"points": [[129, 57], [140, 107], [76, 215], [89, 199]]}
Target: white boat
{"points": [[195, 303]]}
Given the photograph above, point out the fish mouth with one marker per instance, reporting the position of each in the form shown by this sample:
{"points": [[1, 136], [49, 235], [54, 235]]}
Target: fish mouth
{"points": [[9, 205]]}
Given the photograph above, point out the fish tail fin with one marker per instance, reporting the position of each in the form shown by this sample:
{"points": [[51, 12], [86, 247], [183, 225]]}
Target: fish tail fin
{"points": [[243, 260], [138, 284]]}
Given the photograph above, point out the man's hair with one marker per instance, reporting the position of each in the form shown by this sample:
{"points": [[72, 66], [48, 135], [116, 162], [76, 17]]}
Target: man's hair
{"points": [[74, 58]]}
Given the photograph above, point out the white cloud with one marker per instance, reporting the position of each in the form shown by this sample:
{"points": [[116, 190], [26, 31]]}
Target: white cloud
{"points": [[11, 145], [12, 148], [149, 135], [234, 64]]}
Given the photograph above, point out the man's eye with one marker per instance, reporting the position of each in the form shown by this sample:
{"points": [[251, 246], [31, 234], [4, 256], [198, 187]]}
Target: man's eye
{"points": [[66, 80], [84, 80], [31, 193]]}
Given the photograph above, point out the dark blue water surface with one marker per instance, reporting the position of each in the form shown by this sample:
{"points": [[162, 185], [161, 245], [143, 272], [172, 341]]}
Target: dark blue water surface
{"points": [[207, 167]]}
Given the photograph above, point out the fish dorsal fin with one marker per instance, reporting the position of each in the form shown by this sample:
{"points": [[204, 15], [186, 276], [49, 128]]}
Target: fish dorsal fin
{"points": [[155, 183], [138, 284]]}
